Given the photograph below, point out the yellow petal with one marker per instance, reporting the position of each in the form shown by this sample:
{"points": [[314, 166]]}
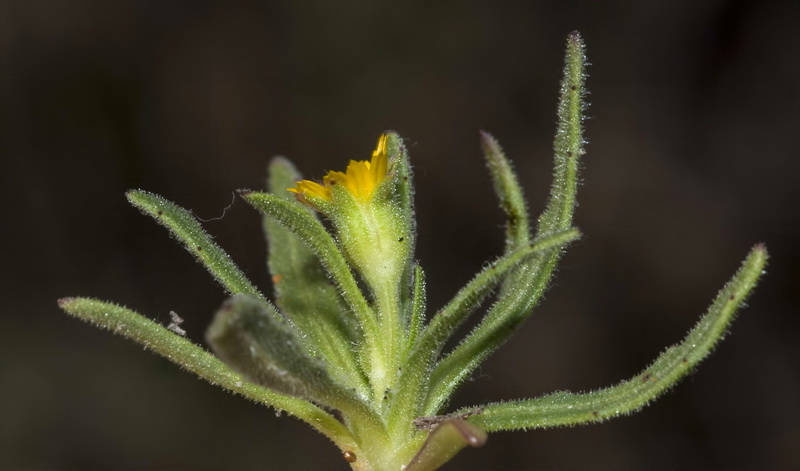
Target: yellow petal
{"points": [[360, 179], [309, 188]]}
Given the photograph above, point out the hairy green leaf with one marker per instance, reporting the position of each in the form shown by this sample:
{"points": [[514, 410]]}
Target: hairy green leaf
{"points": [[303, 291], [308, 228], [194, 358], [184, 226], [566, 408], [530, 280]]}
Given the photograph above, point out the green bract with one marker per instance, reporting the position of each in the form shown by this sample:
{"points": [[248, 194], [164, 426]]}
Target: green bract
{"points": [[346, 347]]}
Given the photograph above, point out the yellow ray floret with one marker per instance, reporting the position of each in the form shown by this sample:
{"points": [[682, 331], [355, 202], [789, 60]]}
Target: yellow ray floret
{"points": [[360, 179]]}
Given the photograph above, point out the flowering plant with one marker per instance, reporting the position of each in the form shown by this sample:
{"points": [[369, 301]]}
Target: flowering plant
{"points": [[346, 346]]}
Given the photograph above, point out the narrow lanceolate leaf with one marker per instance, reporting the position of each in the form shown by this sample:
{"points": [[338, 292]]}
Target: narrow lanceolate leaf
{"points": [[261, 346], [568, 145], [506, 185], [410, 398], [512, 201], [308, 228], [400, 167], [444, 441], [311, 231], [184, 353], [566, 408], [184, 227], [531, 279], [303, 291]]}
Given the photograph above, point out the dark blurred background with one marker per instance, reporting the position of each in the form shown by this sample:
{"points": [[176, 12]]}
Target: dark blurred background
{"points": [[693, 158]]}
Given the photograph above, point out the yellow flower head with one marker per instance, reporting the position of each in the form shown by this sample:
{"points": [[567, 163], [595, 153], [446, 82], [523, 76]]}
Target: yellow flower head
{"points": [[360, 179]]}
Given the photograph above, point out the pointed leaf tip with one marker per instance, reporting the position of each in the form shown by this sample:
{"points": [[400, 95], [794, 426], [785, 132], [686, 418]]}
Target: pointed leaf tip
{"points": [[489, 144], [63, 302], [280, 160]]}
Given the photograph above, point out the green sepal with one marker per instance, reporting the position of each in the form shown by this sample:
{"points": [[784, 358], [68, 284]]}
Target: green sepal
{"points": [[566, 408], [268, 352], [187, 355], [402, 179], [303, 291], [411, 286], [374, 237], [185, 227], [444, 442]]}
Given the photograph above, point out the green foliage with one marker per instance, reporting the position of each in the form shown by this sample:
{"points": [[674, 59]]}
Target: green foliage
{"points": [[304, 293], [348, 330], [523, 289], [184, 226], [566, 408], [264, 348], [310, 230], [187, 355]]}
